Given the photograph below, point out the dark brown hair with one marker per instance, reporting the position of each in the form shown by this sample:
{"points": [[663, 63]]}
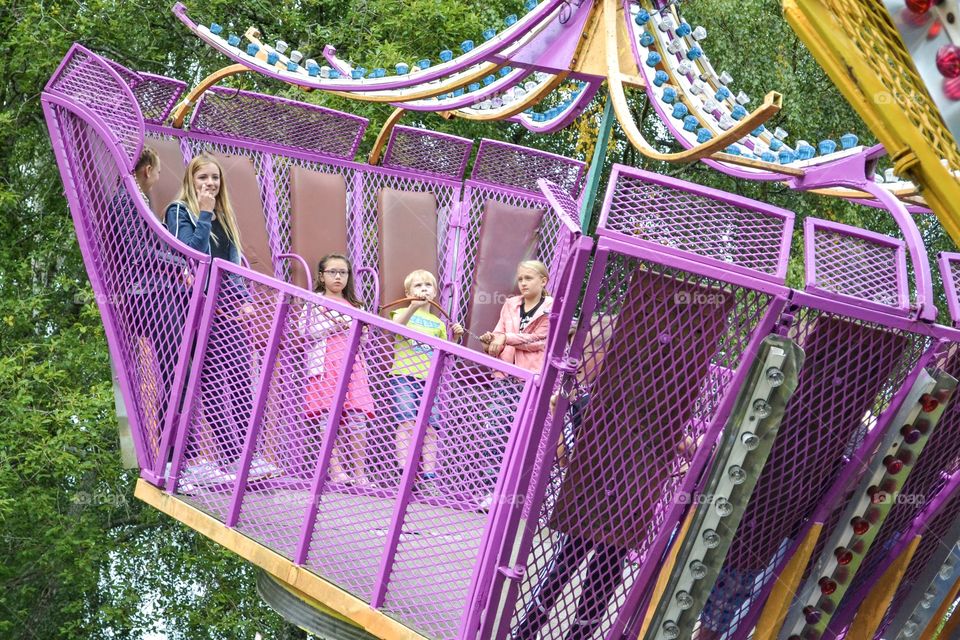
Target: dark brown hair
{"points": [[349, 293]]}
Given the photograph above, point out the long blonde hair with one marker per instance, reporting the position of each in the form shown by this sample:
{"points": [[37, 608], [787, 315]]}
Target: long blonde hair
{"points": [[222, 207]]}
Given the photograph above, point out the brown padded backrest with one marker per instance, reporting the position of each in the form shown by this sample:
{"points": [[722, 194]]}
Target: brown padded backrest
{"points": [[240, 176], [318, 218], [407, 228], [508, 236], [171, 175]]}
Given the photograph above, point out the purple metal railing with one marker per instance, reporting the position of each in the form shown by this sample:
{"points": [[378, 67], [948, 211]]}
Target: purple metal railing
{"points": [[423, 150], [523, 502]]}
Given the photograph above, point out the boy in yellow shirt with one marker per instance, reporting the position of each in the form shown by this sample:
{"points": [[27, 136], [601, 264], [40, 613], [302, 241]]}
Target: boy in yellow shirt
{"points": [[412, 362]]}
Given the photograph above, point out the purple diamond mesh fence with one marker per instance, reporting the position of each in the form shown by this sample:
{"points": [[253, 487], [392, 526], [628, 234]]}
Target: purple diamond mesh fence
{"points": [[423, 150], [508, 165], [143, 284], [658, 350], [157, 96], [389, 474], [278, 121], [934, 531], [86, 79], [852, 262], [685, 217], [939, 459], [851, 371]]}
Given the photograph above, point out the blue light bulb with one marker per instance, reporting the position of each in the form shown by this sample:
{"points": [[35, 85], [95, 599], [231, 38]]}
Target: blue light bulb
{"points": [[653, 59], [683, 30], [722, 94], [233, 40], [738, 112], [703, 135], [510, 20], [767, 156], [642, 17], [694, 53], [660, 77], [466, 46], [272, 57], [252, 49], [402, 68], [215, 28], [849, 140], [646, 39], [786, 156], [530, 5], [669, 95], [680, 110], [758, 130], [489, 34], [446, 55], [690, 123], [827, 147], [776, 144], [733, 150]]}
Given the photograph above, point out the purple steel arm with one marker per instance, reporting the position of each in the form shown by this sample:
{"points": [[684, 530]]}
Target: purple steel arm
{"points": [[479, 54]]}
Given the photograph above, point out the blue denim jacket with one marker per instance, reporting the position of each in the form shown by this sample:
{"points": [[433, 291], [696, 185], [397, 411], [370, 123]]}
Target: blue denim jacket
{"points": [[194, 232]]}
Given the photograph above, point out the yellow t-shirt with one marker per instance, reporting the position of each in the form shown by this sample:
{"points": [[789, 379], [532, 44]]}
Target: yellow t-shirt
{"points": [[413, 358]]}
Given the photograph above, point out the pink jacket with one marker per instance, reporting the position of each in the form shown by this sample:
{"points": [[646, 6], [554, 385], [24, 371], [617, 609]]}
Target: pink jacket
{"points": [[524, 348]]}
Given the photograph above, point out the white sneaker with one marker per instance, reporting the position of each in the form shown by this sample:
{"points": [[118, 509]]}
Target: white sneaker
{"points": [[203, 472]]}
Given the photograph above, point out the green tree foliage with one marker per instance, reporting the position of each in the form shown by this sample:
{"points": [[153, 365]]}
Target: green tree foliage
{"points": [[79, 557]]}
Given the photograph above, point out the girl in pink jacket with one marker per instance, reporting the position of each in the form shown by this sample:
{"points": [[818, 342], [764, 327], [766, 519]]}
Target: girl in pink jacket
{"points": [[520, 336]]}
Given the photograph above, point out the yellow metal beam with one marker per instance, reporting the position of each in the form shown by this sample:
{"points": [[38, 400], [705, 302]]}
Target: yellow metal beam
{"points": [[298, 578], [180, 112], [930, 632], [381, 142], [857, 44], [870, 614], [781, 596]]}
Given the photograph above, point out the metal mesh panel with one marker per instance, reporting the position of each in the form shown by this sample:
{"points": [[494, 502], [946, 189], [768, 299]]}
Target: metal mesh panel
{"points": [[423, 150], [413, 532], [260, 118], [933, 534], [519, 167], [442, 527], [940, 455], [144, 283], [850, 373], [221, 402], [687, 221], [858, 267], [157, 95], [86, 79], [659, 352], [549, 246]]}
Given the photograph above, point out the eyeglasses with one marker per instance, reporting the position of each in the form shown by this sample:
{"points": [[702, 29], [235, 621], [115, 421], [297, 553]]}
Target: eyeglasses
{"points": [[334, 273]]}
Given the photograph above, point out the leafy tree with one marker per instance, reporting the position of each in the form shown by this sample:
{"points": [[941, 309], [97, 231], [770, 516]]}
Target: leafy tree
{"points": [[79, 557]]}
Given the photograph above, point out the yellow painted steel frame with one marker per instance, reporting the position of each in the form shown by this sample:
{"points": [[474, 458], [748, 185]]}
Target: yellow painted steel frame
{"points": [[870, 614], [771, 104], [857, 44], [381, 142], [781, 596], [345, 605]]}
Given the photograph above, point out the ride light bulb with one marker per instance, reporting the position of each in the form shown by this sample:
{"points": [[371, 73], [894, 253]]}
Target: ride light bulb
{"points": [[844, 556], [928, 403], [762, 407], [698, 570], [860, 525], [827, 585], [811, 614], [711, 539], [670, 630], [893, 465], [736, 474], [750, 441], [948, 61], [775, 377], [684, 600]]}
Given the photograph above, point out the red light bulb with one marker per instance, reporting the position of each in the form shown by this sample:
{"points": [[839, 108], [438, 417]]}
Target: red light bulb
{"points": [[893, 465], [827, 585], [843, 556], [951, 88], [927, 402], [860, 526], [919, 6], [948, 61]]}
